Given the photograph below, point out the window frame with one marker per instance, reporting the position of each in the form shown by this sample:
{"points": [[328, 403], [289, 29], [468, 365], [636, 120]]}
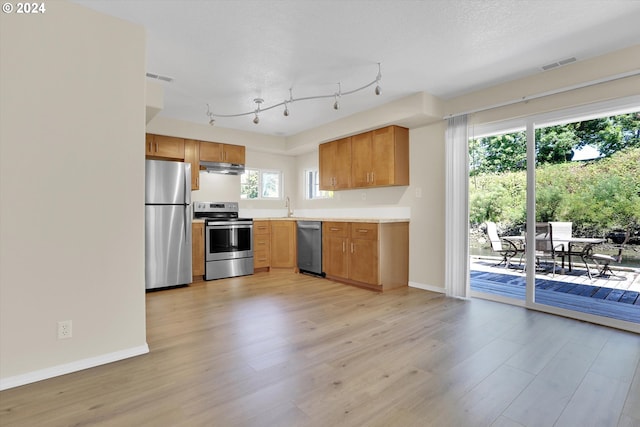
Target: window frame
{"points": [[261, 182], [313, 185]]}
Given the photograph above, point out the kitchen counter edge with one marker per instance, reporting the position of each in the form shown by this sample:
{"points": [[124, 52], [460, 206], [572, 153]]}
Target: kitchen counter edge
{"points": [[372, 220]]}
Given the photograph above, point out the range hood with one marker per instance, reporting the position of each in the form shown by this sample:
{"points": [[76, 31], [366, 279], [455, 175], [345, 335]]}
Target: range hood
{"points": [[223, 168]]}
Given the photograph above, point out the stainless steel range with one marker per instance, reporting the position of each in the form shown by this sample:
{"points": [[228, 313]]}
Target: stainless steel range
{"points": [[228, 240]]}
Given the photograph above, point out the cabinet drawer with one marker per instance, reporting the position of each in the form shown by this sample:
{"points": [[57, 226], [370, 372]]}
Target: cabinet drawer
{"points": [[335, 229], [260, 242], [261, 258], [261, 227], [364, 230]]}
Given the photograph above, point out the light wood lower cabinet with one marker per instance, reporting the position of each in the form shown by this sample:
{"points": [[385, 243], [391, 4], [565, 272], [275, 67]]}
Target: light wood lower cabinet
{"points": [[197, 250], [261, 244], [371, 255], [283, 244]]}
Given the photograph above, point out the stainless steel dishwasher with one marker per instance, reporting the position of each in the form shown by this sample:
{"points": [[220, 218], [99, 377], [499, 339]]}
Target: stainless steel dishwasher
{"points": [[310, 247]]}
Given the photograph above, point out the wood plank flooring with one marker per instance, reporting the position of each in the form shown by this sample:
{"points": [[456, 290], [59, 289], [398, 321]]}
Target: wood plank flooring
{"points": [[281, 349]]}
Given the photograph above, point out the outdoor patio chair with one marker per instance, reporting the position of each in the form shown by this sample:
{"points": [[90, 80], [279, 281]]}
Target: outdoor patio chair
{"points": [[505, 248], [562, 234], [602, 261], [545, 245]]}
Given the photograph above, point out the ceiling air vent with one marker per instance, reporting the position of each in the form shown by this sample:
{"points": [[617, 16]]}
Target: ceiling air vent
{"points": [[160, 77], [559, 63]]}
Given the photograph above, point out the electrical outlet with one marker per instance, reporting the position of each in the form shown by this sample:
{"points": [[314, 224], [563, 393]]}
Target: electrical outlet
{"points": [[64, 329]]}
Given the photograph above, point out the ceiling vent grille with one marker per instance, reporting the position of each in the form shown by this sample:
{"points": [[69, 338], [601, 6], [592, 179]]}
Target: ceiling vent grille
{"points": [[160, 77], [559, 63]]}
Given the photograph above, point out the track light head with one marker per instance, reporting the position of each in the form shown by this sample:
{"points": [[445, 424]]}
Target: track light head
{"points": [[256, 119], [378, 90], [286, 109], [212, 122]]}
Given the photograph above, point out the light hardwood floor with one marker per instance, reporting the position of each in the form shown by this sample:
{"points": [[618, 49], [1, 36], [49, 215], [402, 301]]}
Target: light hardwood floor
{"points": [[281, 349]]}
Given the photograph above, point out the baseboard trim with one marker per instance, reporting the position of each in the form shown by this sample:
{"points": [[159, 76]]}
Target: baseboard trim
{"points": [[426, 287], [67, 368]]}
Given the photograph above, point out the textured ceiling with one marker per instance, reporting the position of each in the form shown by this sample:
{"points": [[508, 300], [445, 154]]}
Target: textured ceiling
{"points": [[226, 53]]}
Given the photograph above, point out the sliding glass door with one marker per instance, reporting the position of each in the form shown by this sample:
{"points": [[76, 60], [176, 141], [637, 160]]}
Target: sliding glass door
{"points": [[497, 214], [587, 214], [563, 193]]}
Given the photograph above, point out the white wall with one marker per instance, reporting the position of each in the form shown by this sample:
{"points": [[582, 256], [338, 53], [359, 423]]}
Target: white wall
{"points": [[72, 116]]}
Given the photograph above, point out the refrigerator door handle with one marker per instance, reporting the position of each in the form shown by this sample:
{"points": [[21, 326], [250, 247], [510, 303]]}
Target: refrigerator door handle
{"points": [[187, 183], [186, 223]]}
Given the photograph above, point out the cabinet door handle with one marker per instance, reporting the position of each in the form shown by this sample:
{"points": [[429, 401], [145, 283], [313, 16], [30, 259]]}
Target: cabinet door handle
{"points": [[367, 177], [334, 229], [344, 248], [363, 230], [156, 147], [372, 178], [352, 247]]}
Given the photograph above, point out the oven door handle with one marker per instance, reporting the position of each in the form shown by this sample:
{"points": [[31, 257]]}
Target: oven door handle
{"points": [[227, 225]]}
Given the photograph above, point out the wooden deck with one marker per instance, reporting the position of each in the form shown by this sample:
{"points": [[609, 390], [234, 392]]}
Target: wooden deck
{"points": [[611, 296]]}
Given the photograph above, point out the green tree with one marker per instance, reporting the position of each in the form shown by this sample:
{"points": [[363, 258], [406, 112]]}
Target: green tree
{"points": [[610, 134], [554, 144], [500, 153]]}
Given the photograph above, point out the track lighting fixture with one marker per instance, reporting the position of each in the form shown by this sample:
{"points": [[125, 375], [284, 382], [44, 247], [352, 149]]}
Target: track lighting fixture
{"points": [[258, 101], [286, 103], [336, 104]]}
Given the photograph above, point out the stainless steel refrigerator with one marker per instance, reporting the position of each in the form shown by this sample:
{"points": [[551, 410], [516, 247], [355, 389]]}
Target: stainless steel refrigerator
{"points": [[167, 224]]}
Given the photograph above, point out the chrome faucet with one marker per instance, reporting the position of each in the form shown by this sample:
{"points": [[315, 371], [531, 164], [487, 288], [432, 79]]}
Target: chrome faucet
{"points": [[287, 203]]}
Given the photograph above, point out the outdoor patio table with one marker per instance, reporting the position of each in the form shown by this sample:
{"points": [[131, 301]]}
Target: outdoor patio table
{"points": [[569, 242], [581, 241]]}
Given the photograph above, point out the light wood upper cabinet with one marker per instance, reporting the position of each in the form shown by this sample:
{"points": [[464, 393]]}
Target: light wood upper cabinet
{"points": [[210, 151], [233, 154], [283, 244], [361, 155], [218, 152], [164, 147], [192, 155], [335, 164], [390, 156], [380, 158], [377, 158]]}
